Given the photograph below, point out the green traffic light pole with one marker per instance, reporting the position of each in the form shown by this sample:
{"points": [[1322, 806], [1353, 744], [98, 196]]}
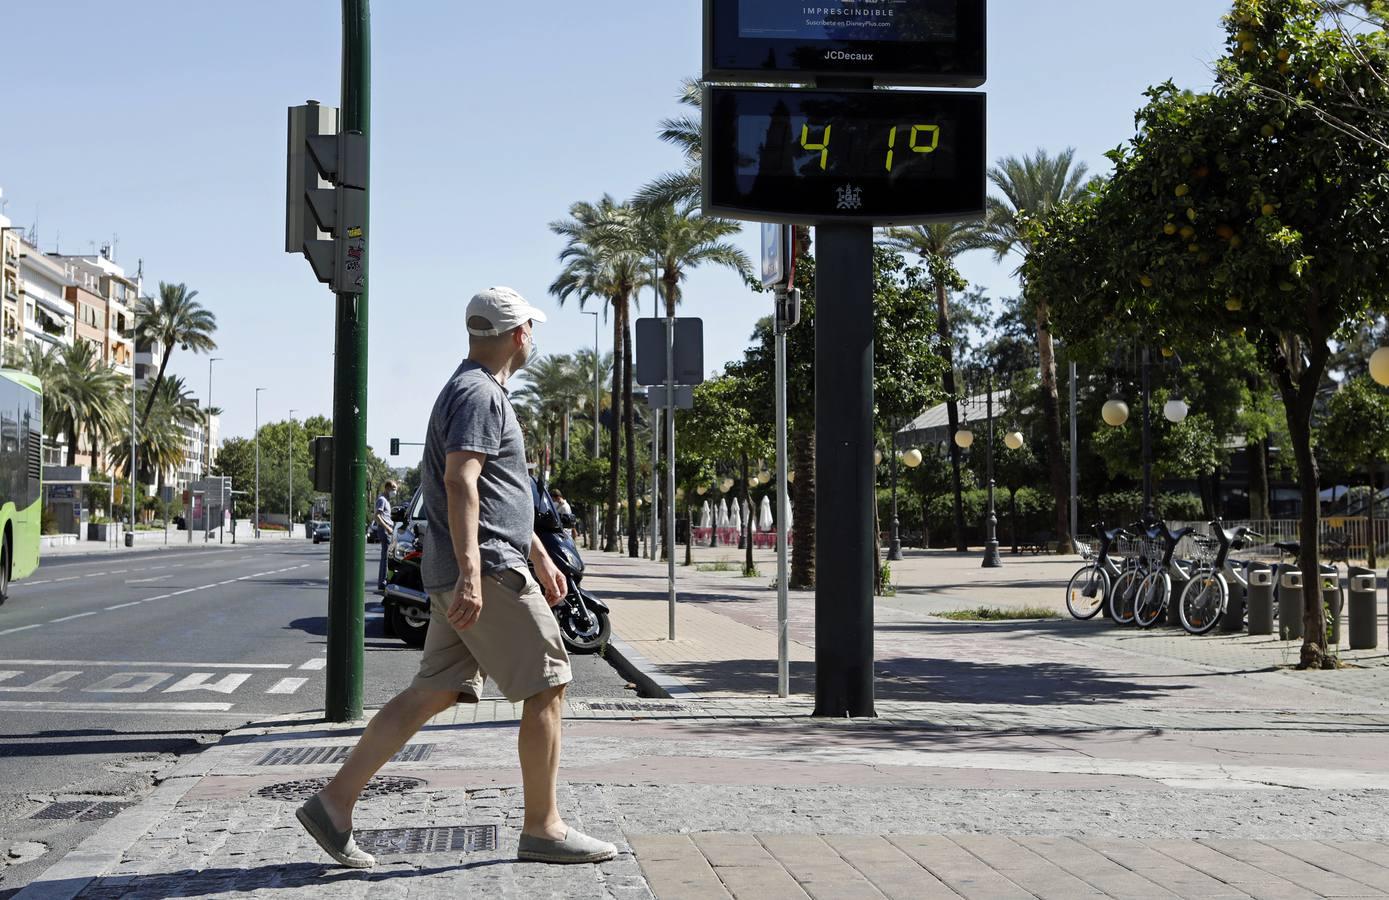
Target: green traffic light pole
{"points": [[347, 556]]}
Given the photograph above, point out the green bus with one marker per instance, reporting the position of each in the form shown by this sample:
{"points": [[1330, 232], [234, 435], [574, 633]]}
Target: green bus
{"points": [[21, 475]]}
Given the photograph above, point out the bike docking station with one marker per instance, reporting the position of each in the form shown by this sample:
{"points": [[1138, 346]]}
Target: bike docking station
{"points": [[826, 148]]}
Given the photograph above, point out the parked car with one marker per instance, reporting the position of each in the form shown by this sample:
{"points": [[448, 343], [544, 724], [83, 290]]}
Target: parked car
{"points": [[322, 531]]}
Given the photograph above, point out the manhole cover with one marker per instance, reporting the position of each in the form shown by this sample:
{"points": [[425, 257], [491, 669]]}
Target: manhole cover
{"points": [[304, 788], [81, 810], [408, 841], [317, 756]]}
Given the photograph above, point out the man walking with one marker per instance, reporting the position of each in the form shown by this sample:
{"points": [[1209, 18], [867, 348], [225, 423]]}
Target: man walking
{"points": [[488, 617], [384, 528]]}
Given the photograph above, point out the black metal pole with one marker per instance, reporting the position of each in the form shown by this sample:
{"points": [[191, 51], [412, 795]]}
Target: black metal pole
{"points": [[347, 550], [1149, 511], [844, 471], [991, 558]]}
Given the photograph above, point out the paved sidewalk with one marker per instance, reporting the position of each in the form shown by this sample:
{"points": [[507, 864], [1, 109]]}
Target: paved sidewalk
{"points": [[1022, 759]]}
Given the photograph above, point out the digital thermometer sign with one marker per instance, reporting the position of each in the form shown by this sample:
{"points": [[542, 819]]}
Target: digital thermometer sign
{"points": [[933, 43], [808, 156]]}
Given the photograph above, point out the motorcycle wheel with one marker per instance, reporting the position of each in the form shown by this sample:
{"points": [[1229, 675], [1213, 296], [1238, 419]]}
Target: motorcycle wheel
{"points": [[409, 624], [581, 640]]}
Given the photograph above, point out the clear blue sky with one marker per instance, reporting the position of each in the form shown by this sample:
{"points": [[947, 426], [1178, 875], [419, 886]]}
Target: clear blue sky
{"points": [[163, 121]]}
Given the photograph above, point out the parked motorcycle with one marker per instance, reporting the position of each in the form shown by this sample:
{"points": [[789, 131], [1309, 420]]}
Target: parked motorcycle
{"points": [[583, 618]]}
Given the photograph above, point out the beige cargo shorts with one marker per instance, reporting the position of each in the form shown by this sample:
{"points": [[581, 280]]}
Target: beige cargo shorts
{"points": [[515, 641]]}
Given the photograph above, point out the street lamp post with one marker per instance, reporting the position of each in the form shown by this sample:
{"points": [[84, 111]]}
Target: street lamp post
{"points": [[894, 550], [991, 558], [255, 529], [1149, 509], [293, 437], [207, 425]]}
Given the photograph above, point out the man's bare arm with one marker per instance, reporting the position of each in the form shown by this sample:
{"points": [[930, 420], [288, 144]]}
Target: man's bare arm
{"points": [[461, 472]]}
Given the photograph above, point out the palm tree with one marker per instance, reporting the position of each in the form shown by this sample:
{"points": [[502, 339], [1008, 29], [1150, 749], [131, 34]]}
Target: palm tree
{"points": [[683, 239], [82, 394], [938, 245], [41, 361], [175, 318], [1032, 186], [161, 443], [600, 264], [687, 133], [583, 364]]}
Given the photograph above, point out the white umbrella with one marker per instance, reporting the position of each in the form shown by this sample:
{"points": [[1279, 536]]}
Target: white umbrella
{"points": [[764, 518], [788, 518], [736, 522], [747, 513], [704, 514], [727, 521]]}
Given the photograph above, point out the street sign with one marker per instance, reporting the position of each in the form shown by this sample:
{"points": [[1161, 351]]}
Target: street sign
{"points": [[657, 398], [651, 351], [778, 256], [871, 157], [930, 43]]}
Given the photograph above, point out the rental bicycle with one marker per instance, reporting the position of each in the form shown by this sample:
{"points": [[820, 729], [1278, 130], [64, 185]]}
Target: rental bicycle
{"points": [[1207, 595], [1142, 554], [1155, 590], [1088, 590]]}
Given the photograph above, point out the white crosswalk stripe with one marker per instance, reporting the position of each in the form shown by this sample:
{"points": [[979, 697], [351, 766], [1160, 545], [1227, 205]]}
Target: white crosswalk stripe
{"points": [[287, 685]]}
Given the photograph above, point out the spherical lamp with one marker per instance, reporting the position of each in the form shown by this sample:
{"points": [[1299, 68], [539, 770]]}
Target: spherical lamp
{"points": [[911, 459], [1175, 410], [764, 476], [703, 489], [1379, 366], [1013, 440], [791, 476], [877, 457], [964, 438], [726, 485], [753, 482], [1115, 412]]}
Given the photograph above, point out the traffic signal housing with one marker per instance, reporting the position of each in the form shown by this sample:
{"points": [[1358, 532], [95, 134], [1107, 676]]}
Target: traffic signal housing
{"points": [[321, 464]]}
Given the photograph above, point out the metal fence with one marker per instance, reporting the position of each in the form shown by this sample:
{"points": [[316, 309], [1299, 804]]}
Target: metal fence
{"points": [[1352, 532]]}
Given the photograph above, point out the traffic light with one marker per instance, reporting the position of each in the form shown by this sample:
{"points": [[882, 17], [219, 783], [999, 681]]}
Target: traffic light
{"points": [[326, 192], [321, 464], [395, 446]]}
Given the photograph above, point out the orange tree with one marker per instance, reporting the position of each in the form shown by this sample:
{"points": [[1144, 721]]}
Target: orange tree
{"points": [[1242, 211]]}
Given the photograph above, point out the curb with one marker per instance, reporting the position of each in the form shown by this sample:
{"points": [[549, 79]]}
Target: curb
{"points": [[104, 849], [651, 680]]}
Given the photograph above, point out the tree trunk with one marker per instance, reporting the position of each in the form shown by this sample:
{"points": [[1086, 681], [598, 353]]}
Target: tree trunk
{"points": [[952, 411], [630, 434], [564, 437], [1051, 411], [1013, 516], [610, 545], [1298, 401], [1258, 454], [689, 535], [803, 515], [72, 446], [1371, 560], [158, 380]]}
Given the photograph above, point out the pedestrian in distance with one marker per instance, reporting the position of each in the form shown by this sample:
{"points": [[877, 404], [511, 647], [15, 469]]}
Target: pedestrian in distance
{"points": [[488, 616], [562, 508], [383, 526]]}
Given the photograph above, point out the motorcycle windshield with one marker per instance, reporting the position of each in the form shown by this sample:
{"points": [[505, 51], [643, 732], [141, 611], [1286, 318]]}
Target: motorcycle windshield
{"points": [[546, 516]]}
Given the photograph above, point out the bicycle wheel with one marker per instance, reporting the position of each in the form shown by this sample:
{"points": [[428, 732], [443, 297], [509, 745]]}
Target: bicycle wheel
{"points": [[1121, 597], [1087, 591], [1151, 599], [1203, 602]]}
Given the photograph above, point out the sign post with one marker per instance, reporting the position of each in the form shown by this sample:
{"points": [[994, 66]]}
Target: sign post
{"points": [[844, 158], [778, 274]]}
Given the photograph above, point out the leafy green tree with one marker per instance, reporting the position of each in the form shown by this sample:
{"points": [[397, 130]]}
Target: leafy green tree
{"points": [[1031, 186], [1257, 218], [722, 428], [683, 240], [174, 318]]}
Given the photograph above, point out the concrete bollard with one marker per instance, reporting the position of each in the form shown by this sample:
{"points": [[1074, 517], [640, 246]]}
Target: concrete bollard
{"points": [[1233, 620], [1260, 600], [1290, 607], [1362, 610]]}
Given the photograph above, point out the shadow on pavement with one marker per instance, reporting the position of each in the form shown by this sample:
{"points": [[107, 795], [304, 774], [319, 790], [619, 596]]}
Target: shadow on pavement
{"points": [[206, 882], [942, 681]]}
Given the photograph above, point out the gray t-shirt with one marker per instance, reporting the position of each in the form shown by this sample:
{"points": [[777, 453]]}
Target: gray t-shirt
{"points": [[473, 414]]}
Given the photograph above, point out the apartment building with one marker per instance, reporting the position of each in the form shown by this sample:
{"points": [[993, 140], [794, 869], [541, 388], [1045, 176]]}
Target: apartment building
{"points": [[11, 331], [48, 317]]}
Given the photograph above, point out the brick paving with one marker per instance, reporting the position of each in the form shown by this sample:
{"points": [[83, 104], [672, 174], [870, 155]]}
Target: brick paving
{"points": [[1020, 759]]}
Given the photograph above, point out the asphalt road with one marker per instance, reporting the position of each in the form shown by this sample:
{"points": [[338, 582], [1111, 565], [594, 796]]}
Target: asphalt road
{"points": [[112, 666]]}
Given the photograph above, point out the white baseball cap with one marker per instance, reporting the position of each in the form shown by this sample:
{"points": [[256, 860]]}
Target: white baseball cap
{"points": [[504, 308]]}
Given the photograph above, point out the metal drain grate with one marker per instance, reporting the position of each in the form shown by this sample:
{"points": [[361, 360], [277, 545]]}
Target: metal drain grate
{"points": [[318, 756], [628, 706], [408, 841], [304, 788], [80, 810]]}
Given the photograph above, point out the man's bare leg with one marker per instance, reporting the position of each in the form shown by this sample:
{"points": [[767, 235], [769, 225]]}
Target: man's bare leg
{"points": [[538, 746], [388, 731]]}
